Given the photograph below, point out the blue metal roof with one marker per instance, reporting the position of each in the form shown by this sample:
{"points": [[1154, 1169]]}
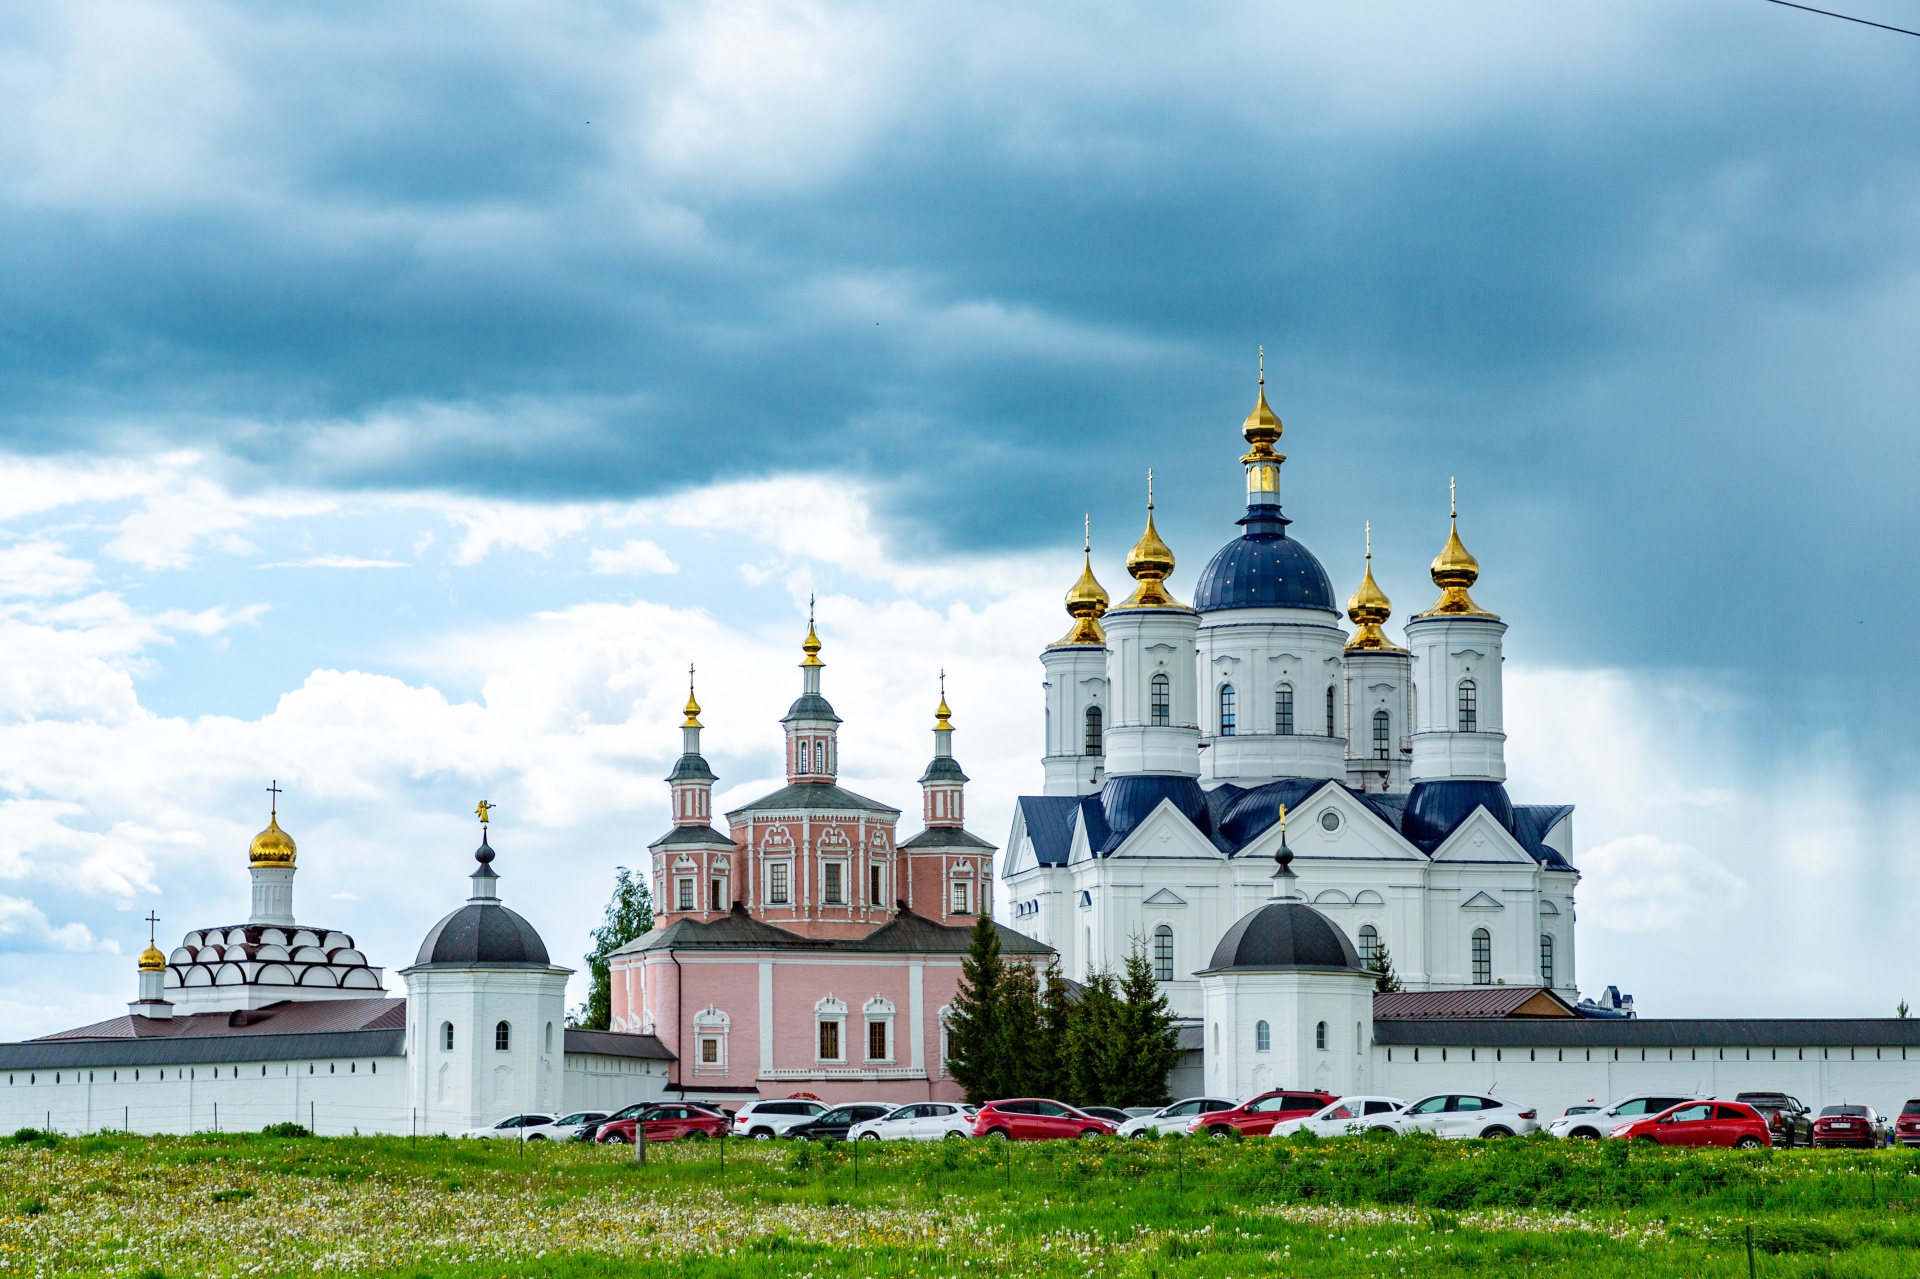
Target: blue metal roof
{"points": [[1436, 809], [1128, 801], [1049, 821], [1242, 816], [1264, 568], [1531, 822]]}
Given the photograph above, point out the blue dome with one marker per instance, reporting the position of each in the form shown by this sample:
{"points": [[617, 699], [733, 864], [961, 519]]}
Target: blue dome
{"points": [[1264, 568], [1435, 809]]}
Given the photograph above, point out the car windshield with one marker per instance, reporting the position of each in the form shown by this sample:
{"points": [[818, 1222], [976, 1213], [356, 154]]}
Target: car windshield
{"points": [[633, 1110], [1850, 1112], [844, 1115], [1431, 1106], [581, 1117], [1581, 1110], [1182, 1108]]}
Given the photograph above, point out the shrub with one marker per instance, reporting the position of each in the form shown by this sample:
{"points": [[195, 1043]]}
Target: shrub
{"points": [[285, 1130], [27, 1134], [231, 1196]]}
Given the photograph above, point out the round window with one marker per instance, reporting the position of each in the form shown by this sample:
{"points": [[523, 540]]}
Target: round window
{"points": [[1329, 820]]}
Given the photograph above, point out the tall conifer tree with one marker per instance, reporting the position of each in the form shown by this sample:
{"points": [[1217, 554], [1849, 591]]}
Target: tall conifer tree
{"points": [[1149, 1039], [976, 1040], [1094, 1051]]}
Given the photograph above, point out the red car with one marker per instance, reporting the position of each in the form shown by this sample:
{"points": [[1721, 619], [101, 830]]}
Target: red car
{"points": [[668, 1123], [1845, 1126], [1906, 1129], [1257, 1117], [1037, 1119], [1701, 1123]]}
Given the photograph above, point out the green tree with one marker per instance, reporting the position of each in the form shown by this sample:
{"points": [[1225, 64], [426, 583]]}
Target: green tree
{"points": [[1148, 1039], [1025, 1056], [975, 1039], [1049, 1062], [1385, 980], [629, 915], [1094, 1054]]}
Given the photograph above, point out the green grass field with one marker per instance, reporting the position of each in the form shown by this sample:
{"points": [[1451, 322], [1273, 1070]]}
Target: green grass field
{"points": [[1172, 1209]]}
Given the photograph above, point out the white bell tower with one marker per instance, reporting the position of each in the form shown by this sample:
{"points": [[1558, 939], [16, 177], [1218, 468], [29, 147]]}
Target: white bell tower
{"points": [[1152, 669], [1458, 733], [1079, 710]]}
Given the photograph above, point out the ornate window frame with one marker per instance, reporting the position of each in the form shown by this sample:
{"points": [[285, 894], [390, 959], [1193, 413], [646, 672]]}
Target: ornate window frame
{"points": [[711, 1029], [830, 1011], [878, 1012]]}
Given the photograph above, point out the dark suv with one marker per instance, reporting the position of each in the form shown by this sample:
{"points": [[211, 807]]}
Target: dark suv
{"points": [[833, 1125], [1787, 1119]]}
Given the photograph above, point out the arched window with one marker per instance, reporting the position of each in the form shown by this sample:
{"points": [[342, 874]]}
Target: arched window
{"points": [[1262, 1037], [1546, 960], [1469, 707], [1094, 744], [800, 759], [1162, 700], [1369, 944], [1482, 957], [446, 1036], [1382, 734], [502, 1037], [549, 1047], [1330, 724], [1283, 710], [1320, 1036], [1226, 710], [1163, 953]]}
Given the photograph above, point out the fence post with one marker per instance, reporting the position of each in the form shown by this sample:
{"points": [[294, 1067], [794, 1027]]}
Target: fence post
{"points": [[1751, 1274], [640, 1140], [126, 1119], [312, 1126], [216, 1118]]}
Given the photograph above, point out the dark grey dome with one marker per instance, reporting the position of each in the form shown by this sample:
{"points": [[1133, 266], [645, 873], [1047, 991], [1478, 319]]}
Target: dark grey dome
{"points": [[811, 706], [483, 934], [1286, 935]]}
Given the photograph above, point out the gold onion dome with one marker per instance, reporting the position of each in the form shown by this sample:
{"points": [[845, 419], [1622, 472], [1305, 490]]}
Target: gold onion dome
{"points": [[693, 711], [1453, 571], [272, 846], [1150, 563], [1262, 427], [1087, 601], [151, 960], [941, 716], [1368, 608], [811, 645]]}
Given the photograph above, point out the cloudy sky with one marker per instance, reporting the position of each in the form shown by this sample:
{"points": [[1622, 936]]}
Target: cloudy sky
{"points": [[395, 398]]}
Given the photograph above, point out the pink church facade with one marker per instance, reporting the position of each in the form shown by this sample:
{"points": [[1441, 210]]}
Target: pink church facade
{"points": [[809, 950]]}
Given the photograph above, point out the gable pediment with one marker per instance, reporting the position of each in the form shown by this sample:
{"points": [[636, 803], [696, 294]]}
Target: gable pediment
{"points": [[1482, 839], [1165, 897], [1359, 832], [1166, 832], [1481, 901]]}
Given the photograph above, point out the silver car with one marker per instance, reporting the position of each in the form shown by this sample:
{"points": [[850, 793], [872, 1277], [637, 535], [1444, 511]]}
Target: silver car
{"points": [[765, 1120], [1462, 1115], [1595, 1124], [917, 1121], [1174, 1118]]}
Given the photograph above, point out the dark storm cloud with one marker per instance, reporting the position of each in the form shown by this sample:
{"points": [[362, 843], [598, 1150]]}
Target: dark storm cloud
{"points": [[1643, 276]]}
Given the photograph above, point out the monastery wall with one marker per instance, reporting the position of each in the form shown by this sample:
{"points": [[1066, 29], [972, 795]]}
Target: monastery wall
{"points": [[336, 1097]]}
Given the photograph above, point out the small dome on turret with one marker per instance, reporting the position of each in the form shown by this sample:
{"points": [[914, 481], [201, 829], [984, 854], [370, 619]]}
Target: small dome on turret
{"points": [[1453, 571], [1087, 603], [151, 960], [1150, 563], [272, 846], [1368, 608]]}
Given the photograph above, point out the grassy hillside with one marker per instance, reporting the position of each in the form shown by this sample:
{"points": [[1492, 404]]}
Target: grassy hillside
{"points": [[1178, 1209]]}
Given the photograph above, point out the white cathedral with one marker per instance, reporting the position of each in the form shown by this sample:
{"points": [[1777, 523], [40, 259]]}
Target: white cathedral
{"points": [[1177, 735]]}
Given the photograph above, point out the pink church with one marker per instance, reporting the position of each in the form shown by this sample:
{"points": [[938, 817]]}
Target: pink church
{"points": [[809, 951]]}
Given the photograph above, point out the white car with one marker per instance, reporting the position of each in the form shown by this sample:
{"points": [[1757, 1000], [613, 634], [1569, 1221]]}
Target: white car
{"points": [[1461, 1115], [565, 1128], [1174, 1118], [765, 1120], [1595, 1124], [515, 1128], [1345, 1117], [920, 1121]]}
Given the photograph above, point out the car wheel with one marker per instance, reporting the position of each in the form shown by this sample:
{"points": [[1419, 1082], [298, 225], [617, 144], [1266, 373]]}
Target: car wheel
{"points": [[696, 1135], [954, 1135], [1645, 1139], [869, 1136], [998, 1134], [1220, 1130], [1382, 1132], [1495, 1133], [537, 1137], [763, 1134], [1748, 1142], [1584, 1134], [1091, 1132], [614, 1139]]}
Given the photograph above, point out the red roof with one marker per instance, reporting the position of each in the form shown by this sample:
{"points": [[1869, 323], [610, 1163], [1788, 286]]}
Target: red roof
{"points": [[1475, 1002], [285, 1018]]}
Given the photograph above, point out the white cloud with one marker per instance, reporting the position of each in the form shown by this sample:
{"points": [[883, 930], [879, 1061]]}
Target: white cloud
{"points": [[1643, 884], [636, 556], [39, 569], [25, 925]]}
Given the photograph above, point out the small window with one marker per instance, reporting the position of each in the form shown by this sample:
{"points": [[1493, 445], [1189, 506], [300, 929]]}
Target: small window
{"points": [[876, 894], [1482, 957], [1330, 723], [686, 894], [1227, 717], [1469, 707], [800, 756], [960, 906], [1320, 1036], [715, 890], [446, 1036], [709, 1051], [830, 1041], [1369, 944], [549, 1037], [1283, 710], [1262, 1037], [777, 883], [1382, 735], [877, 1041], [1163, 953], [1162, 700], [502, 1037], [834, 892], [1546, 960], [1094, 744]]}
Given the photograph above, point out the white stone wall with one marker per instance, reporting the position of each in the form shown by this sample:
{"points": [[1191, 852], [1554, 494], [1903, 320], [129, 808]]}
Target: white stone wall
{"points": [[593, 1081], [338, 1095], [1448, 649], [1142, 643], [1377, 680], [1294, 1005], [1076, 678], [1257, 651], [474, 1083]]}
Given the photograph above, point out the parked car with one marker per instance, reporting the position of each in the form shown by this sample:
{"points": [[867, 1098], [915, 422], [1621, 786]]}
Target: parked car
{"points": [[1906, 1129], [765, 1120], [1845, 1125], [1257, 1116], [1463, 1115], [1174, 1118], [920, 1121], [1788, 1120], [1037, 1119], [1701, 1123], [1598, 1121], [670, 1121], [567, 1127], [591, 1132], [1344, 1118], [835, 1123], [513, 1127], [1112, 1114]]}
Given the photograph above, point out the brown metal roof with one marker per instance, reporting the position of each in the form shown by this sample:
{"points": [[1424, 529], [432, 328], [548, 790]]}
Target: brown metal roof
{"points": [[285, 1018], [1477, 1002]]}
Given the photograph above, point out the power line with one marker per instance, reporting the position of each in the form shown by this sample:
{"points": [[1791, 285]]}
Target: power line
{"points": [[1844, 17]]}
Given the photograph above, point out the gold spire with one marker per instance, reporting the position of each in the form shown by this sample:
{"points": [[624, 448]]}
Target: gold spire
{"points": [[941, 716], [811, 646], [272, 846], [693, 707], [151, 960], [1150, 563], [1454, 569], [1086, 601], [1368, 608], [1262, 428]]}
